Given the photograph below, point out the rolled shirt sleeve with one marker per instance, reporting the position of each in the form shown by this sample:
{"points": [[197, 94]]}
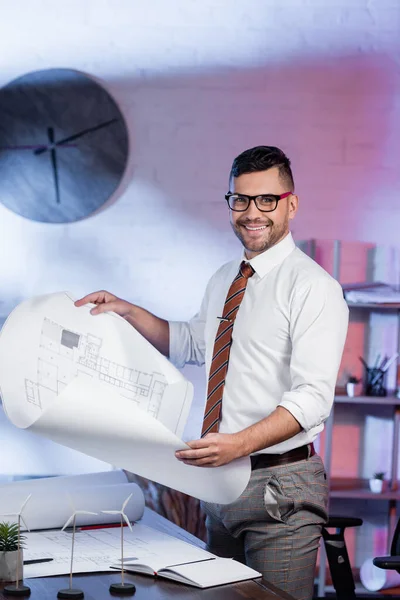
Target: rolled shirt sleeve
{"points": [[318, 328], [187, 338], [186, 342]]}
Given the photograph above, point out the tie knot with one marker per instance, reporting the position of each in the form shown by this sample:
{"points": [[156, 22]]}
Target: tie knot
{"points": [[246, 270]]}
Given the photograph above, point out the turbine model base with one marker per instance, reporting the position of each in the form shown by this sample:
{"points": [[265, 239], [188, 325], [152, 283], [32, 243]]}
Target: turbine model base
{"points": [[21, 590], [70, 594], [124, 589]]}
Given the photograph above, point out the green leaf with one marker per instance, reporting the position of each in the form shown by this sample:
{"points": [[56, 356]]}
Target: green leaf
{"points": [[9, 537]]}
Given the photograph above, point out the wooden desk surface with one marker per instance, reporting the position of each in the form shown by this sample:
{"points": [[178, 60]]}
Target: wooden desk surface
{"points": [[96, 585]]}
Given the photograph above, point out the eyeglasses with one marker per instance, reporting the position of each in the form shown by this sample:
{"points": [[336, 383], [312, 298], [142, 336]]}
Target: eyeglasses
{"points": [[264, 202]]}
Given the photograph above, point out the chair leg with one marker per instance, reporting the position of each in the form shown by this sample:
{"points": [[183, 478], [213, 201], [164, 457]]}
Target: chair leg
{"points": [[339, 563]]}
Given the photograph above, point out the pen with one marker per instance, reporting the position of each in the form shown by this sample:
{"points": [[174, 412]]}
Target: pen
{"points": [[384, 361], [383, 369], [390, 361], [34, 561], [109, 526]]}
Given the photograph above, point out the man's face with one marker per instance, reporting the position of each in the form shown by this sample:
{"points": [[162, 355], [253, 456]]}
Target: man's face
{"points": [[258, 231]]}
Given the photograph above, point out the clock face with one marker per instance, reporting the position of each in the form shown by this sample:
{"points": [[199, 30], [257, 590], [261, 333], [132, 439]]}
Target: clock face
{"points": [[63, 146]]}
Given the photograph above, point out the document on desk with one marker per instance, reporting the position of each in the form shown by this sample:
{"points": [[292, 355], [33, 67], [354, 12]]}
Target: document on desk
{"points": [[99, 549], [148, 552], [96, 385]]}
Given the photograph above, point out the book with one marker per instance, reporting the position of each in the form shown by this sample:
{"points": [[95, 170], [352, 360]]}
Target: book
{"points": [[208, 572], [371, 292]]}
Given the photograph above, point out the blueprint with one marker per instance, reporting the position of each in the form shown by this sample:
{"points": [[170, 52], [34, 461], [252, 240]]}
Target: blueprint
{"points": [[97, 550], [63, 354], [52, 342], [94, 384]]}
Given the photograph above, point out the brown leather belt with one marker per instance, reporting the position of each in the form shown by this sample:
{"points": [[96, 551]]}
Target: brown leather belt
{"points": [[261, 461]]}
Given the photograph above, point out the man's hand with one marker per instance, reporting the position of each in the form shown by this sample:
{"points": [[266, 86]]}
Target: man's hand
{"points": [[154, 329], [214, 450], [107, 302]]}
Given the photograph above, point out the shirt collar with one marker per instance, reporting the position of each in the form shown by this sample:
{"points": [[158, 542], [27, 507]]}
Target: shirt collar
{"points": [[265, 262]]}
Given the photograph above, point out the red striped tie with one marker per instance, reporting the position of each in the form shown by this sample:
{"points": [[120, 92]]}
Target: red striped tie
{"points": [[222, 346]]}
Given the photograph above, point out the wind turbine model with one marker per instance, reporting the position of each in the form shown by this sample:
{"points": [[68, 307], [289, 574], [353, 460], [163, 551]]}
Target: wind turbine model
{"points": [[17, 589], [127, 589], [71, 592]]}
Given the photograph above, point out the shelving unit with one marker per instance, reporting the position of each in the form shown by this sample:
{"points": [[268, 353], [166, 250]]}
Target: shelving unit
{"points": [[341, 487], [383, 401], [358, 489]]}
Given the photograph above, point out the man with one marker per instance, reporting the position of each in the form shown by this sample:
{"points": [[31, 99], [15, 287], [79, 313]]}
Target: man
{"points": [[271, 330]]}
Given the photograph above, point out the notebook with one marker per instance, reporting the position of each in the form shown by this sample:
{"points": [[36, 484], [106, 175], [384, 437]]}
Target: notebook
{"points": [[209, 572]]}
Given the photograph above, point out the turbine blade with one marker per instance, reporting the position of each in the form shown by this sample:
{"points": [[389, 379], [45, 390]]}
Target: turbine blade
{"points": [[71, 518], [127, 521], [85, 512], [24, 522], [126, 502], [25, 503]]}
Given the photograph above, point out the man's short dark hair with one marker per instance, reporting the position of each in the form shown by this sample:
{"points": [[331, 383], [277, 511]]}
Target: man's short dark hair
{"points": [[262, 158]]}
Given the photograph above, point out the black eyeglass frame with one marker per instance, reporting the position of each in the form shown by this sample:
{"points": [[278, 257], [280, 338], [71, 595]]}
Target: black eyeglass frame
{"points": [[276, 197]]}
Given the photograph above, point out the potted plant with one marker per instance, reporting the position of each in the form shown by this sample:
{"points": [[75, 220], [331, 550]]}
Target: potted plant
{"points": [[9, 554], [351, 384], [376, 482]]}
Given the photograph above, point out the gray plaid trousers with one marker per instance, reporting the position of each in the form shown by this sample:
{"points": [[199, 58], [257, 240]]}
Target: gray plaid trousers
{"points": [[275, 526]]}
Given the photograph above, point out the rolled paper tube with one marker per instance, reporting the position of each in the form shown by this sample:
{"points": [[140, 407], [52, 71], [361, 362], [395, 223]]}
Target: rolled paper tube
{"points": [[375, 579]]}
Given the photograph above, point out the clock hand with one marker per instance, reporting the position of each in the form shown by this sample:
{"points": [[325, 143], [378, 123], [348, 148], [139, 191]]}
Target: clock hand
{"points": [[33, 147], [50, 133], [71, 138]]}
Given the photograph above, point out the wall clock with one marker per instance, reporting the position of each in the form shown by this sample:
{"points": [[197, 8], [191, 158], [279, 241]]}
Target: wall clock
{"points": [[63, 145]]}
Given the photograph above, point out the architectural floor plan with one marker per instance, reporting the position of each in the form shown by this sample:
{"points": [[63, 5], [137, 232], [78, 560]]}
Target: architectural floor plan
{"points": [[93, 383], [63, 354]]}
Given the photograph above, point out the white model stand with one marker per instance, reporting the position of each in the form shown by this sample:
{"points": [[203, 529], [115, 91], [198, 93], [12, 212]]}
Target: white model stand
{"points": [[18, 589], [127, 589], [71, 592]]}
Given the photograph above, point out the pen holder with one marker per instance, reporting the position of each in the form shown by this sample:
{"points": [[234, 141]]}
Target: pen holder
{"points": [[375, 382]]}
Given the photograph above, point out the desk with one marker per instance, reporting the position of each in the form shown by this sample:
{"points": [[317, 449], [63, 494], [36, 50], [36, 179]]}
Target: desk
{"points": [[95, 586]]}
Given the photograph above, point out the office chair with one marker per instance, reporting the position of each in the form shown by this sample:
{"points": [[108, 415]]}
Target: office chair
{"points": [[337, 555], [391, 562]]}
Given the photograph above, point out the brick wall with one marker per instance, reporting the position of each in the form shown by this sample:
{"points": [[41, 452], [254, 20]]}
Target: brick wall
{"points": [[198, 82]]}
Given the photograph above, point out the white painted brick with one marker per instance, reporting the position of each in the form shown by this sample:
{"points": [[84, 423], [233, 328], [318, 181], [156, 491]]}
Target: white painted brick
{"points": [[198, 82], [357, 18], [387, 19]]}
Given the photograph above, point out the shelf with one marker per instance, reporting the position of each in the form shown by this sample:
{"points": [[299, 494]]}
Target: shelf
{"points": [[375, 305], [376, 400], [359, 489]]}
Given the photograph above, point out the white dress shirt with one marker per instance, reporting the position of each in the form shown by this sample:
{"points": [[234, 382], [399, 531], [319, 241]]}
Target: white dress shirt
{"points": [[287, 341]]}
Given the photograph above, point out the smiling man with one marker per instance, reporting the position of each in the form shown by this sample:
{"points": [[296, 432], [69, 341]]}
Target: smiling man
{"points": [[271, 331]]}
